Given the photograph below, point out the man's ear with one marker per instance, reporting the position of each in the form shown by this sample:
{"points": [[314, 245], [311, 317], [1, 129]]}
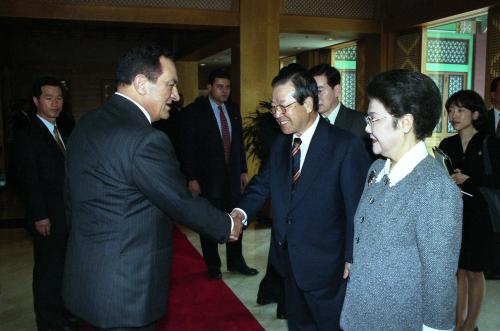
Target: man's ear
{"points": [[337, 90], [140, 83], [309, 104], [35, 101]]}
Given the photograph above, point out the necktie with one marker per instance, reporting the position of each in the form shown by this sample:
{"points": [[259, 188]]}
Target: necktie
{"points": [[498, 129], [226, 140], [327, 119], [296, 159], [59, 142]]}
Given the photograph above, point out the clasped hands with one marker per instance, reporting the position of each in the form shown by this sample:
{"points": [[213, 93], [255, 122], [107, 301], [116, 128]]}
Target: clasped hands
{"points": [[237, 218]]}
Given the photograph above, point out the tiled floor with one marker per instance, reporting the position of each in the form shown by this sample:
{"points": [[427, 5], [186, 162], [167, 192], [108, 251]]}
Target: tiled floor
{"points": [[16, 265]]}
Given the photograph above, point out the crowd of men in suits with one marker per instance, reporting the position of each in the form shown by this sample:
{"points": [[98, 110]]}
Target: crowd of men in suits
{"points": [[101, 204]]}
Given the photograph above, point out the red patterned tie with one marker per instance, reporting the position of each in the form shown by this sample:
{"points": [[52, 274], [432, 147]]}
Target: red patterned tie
{"points": [[226, 140]]}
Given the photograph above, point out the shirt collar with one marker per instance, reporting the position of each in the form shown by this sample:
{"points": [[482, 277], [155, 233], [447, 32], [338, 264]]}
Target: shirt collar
{"points": [[138, 105], [50, 126], [405, 165], [214, 104], [307, 135], [333, 115]]}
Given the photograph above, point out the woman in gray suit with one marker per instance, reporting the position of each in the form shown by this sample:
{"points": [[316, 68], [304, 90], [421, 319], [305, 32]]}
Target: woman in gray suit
{"points": [[407, 228]]}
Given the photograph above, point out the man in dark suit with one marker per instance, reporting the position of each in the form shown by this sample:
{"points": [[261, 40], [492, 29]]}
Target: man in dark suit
{"points": [[39, 153], [314, 177], [493, 117], [124, 190], [329, 91], [493, 128], [213, 159]]}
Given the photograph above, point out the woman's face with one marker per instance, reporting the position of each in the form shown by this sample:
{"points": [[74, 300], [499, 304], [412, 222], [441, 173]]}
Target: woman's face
{"points": [[461, 118], [387, 140]]}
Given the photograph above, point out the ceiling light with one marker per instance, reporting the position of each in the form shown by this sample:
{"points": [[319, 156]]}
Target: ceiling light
{"points": [[203, 64]]}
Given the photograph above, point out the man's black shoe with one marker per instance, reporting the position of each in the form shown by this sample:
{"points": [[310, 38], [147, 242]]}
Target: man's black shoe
{"points": [[214, 274], [244, 270]]}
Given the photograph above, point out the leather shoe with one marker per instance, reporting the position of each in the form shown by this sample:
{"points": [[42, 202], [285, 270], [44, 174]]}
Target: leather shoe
{"points": [[214, 274], [244, 270], [263, 300]]}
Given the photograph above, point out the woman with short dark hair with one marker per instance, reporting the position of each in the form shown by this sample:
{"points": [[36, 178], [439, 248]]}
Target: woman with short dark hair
{"points": [[466, 112], [408, 223]]}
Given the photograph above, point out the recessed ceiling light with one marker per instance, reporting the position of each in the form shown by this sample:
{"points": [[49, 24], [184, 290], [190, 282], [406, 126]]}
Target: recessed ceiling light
{"points": [[203, 64], [329, 38], [298, 48]]}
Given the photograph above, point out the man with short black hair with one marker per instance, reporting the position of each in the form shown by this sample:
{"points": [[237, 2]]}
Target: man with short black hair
{"points": [[214, 162], [40, 153], [124, 191], [314, 177], [493, 118]]}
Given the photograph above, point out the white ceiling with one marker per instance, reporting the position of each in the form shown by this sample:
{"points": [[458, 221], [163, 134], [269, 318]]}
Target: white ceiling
{"points": [[290, 44]]}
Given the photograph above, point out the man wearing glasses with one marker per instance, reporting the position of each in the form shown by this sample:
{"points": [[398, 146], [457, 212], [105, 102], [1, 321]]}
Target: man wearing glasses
{"points": [[314, 177]]}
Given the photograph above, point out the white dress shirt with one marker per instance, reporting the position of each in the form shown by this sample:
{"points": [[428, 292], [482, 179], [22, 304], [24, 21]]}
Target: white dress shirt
{"points": [[138, 105], [50, 127], [333, 115]]}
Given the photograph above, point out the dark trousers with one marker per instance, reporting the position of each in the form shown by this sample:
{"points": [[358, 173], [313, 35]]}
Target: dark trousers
{"points": [[211, 256], [317, 310], [49, 255]]}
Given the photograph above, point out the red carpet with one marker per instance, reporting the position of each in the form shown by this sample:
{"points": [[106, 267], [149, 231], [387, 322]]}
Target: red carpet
{"points": [[196, 303]]}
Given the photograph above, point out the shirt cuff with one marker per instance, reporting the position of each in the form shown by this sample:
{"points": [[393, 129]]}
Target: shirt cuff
{"points": [[244, 218], [428, 328]]}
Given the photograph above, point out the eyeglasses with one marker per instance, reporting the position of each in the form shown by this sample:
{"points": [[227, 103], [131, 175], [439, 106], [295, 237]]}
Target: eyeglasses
{"points": [[370, 120], [281, 109]]}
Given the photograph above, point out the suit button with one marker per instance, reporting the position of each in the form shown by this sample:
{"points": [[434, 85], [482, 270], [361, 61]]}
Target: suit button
{"points": [[280, 243], [371, 200], [357, 240], [288, 221]]}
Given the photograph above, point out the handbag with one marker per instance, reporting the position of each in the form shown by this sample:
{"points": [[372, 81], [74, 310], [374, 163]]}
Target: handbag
{"points": [[491, 195]]}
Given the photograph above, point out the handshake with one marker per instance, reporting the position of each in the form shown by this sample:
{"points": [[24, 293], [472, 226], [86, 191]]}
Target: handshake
{"points": [[238, 218]]}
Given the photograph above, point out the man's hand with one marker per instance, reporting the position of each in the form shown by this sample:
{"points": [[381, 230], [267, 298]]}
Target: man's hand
{"points": [[43, 227], [237, 226], [243, 181], [194, 187], [347, 268]]}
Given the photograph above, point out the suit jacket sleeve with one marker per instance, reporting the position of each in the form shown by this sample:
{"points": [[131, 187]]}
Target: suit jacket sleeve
{"points": [[353, 174], [156, 173], [256, 193], [29, 179], [439, 232], [478, 179]]}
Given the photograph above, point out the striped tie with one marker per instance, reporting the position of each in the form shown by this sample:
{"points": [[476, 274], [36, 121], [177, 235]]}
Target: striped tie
{"points": [[296, 159], [226, 140], [59, 142]]}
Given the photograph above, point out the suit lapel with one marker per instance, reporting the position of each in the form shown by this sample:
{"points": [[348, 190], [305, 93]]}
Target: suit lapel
{"points": [[283, 173], [313, 162]]}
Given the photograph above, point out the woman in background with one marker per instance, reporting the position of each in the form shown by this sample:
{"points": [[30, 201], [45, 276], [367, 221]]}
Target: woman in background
{"points": [[466, 112], [407, 226]]}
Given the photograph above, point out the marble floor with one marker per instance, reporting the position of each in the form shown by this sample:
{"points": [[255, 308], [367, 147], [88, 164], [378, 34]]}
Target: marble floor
{"points": [[15, 282]]}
